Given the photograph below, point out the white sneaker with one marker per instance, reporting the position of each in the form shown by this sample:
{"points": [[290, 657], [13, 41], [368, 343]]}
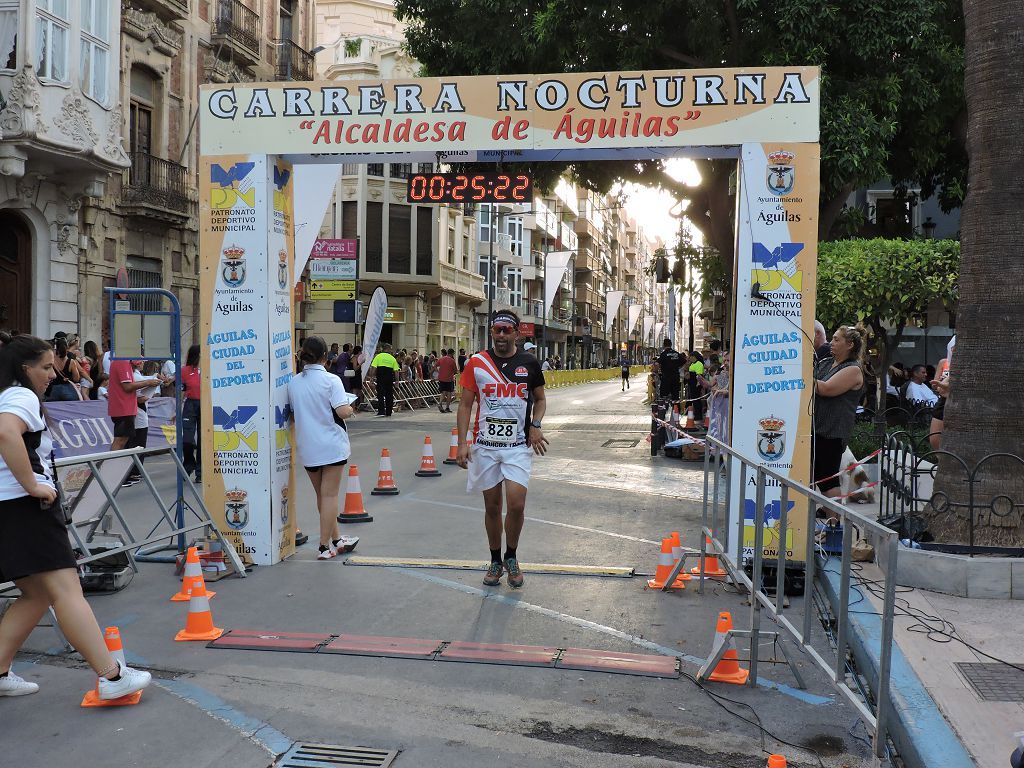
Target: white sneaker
{"points": [[131, 680], [326, 553], [12, 685]]}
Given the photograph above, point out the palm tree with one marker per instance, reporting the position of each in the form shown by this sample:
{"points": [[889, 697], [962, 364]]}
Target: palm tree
{"points": [[987, 375]]}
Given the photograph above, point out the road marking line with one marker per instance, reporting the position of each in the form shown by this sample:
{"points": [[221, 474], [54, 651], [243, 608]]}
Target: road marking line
{"points": [[263, 734], [480, 565], [538, 520], [796, 693]]}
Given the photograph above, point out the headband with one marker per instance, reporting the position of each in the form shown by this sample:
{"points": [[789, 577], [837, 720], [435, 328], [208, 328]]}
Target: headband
{"points": [[505, 317]]}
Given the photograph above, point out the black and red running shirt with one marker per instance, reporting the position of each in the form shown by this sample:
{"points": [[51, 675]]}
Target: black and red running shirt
{"points": [[504, 388]]}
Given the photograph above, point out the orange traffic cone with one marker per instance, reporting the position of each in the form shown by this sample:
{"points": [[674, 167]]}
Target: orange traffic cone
{"points": [[677, 553], [427, 466], [453, 448], [193, 573], [354, 511], [112, 637], [728, 669], [711, 564], [385, 477], [674, 418], [199, 624], [776, 761], [469, 436], [664, 569], [689, 419], [707, 420]]}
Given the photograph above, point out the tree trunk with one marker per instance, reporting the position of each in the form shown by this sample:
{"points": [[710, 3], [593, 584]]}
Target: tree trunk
{"points": [[987, 374]]}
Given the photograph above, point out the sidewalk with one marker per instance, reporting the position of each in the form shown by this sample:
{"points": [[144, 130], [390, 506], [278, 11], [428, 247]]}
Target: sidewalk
{"points": [[985, 727]]}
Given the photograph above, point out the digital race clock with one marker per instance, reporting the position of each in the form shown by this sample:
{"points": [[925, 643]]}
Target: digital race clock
{"points": [[470, 188]]}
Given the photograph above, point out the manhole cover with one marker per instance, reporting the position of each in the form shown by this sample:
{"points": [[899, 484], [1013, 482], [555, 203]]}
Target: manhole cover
{"points": [[994, 681], [621, 443], [327, 755]]}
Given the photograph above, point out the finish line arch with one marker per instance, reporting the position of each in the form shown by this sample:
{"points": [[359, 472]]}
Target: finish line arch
{"points": [[254, 135]]}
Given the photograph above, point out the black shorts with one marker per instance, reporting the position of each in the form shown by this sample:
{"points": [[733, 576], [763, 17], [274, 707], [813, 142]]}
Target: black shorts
{"points": [[341, 463], [828, 456], [124, 426], [32, 539], [625, 373], [939, 410], [446, 386]]}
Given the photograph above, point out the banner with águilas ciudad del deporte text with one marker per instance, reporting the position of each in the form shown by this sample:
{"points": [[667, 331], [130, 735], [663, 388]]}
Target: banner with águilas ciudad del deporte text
{"points": [[247, 355], [773, 352]]}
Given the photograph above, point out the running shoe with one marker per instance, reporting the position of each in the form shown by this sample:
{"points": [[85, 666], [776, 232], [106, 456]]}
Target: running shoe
{"points": [[515, 574], [300, 538], [12, 685], [130, 681], [493, 576], [345, 544], [326, 553]]}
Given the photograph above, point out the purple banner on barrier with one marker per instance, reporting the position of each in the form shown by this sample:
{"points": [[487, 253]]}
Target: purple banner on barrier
{"points": [[79, 427]]}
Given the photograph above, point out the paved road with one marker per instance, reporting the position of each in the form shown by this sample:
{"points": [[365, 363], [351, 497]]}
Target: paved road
{"points": [[598, 499]]}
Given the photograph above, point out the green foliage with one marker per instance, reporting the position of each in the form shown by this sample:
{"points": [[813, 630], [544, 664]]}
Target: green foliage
{"points": [[884, 281], [892, 82], [704, 262]]}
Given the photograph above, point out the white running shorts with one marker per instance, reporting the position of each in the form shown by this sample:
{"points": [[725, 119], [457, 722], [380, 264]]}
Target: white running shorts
{"points": [[490, 466]]}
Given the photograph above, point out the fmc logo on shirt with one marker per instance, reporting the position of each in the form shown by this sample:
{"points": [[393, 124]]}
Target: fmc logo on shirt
{"points": [[505, 390]]}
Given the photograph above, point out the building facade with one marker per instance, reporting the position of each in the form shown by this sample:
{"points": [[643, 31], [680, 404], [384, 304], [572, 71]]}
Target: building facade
{"points": [[99, 149]]}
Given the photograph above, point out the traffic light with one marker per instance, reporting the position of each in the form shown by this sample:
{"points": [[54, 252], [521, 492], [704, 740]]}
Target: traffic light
{"points": [[661, 269], [679, 270]]}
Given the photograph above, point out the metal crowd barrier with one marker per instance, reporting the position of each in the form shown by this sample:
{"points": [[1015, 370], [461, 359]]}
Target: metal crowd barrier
{"points": [[565, 378], [714, 524]]}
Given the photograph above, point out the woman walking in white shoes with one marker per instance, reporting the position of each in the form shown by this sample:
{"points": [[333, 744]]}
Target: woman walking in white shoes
{"points": [[34, 550], [320, 406]]}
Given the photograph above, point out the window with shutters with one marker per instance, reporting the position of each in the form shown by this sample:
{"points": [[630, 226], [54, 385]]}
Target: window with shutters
{"points": [[350, 219], [399, 239], [424, 241], [374, 237]]}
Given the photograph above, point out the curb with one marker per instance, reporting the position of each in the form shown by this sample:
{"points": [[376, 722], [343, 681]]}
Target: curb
{"points": [[917, 727]]}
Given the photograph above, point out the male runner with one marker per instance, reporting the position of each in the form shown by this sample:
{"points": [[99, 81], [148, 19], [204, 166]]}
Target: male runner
{"points": [[508, 386]]}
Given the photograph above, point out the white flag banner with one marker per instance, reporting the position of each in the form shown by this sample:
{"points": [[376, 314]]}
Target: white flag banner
{"points": [[612, 301], [314, 190], [554, 267], [658, 328], [632, 315], [374, 324]]}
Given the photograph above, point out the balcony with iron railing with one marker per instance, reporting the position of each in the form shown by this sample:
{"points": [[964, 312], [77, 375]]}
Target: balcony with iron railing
{"points": [[238, 27], [156, 188], [167, 9], [291, 61]]}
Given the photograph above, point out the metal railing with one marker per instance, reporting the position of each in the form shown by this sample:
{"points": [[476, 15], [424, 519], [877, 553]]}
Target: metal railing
{"points": [[238, 23], [716, 533], [291, 61], [155, 181]]}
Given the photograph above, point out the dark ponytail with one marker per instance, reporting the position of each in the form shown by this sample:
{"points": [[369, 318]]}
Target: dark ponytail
{"points": [[16, 354], [314, 349], [60, 346]]}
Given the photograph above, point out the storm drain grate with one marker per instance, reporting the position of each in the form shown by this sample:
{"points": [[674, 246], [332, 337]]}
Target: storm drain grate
{"points": [[330, 755], [621, 443], [993, 681]]}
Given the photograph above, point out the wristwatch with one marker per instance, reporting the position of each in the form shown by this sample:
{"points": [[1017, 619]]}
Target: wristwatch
{"points": [[535, 424]]}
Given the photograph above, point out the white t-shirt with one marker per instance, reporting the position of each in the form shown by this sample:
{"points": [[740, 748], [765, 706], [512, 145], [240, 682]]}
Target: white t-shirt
{"points": [[167, 369], [101, 393], [106, 362], [24, 404], [319, 438], [921, 393], [141, 417]]}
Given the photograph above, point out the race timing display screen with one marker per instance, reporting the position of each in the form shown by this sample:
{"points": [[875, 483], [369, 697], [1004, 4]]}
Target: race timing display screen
{"points": [[470, 188]]}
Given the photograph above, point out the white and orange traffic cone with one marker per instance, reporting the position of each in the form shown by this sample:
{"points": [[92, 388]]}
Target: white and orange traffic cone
{"points": [[707, 421], [664, 568], [354, 512], [199, 624], [674, 418], [385, 477], [776, 761], [427, 466], [677, 553], [728, 670], [112, 637], [453, 448], [689, 418], [711, 565], [193, 573], [469, 436]]}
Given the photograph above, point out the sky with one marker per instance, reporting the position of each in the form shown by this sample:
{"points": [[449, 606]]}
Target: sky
{"points": [[650, 206]]}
